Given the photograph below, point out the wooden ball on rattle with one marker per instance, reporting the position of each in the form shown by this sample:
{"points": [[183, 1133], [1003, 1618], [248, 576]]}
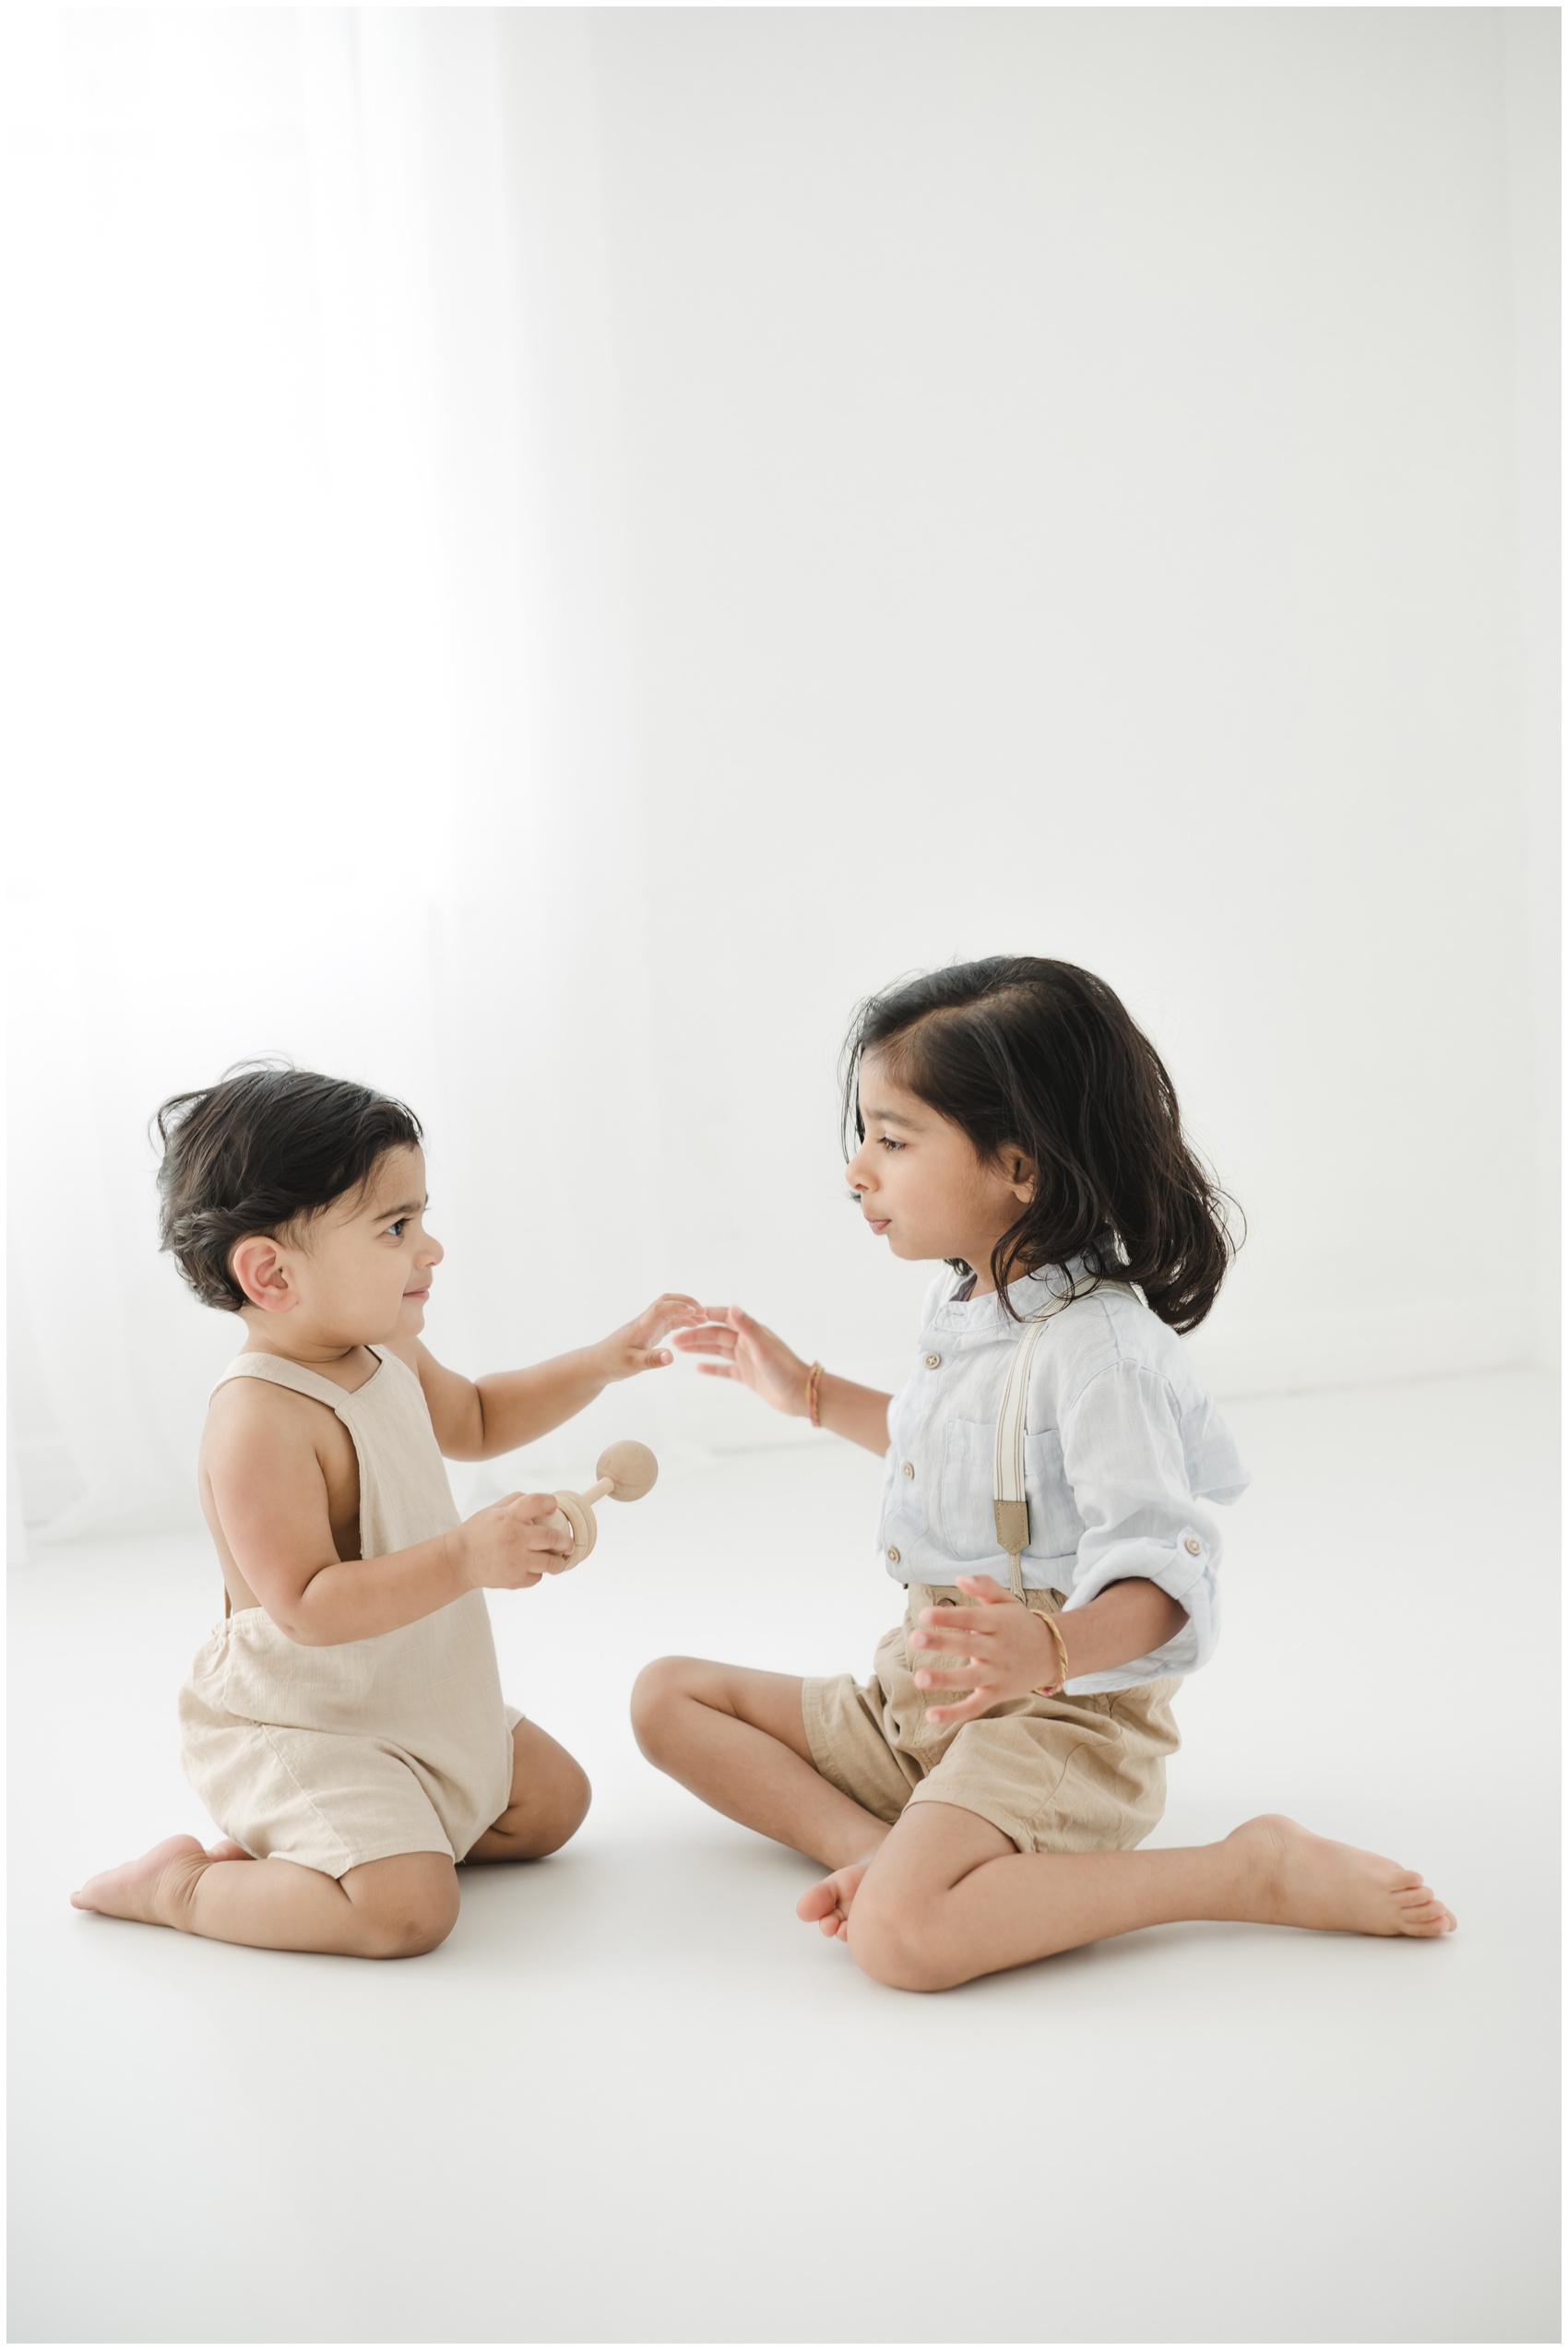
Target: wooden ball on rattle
{"points": [[625, 1472]]}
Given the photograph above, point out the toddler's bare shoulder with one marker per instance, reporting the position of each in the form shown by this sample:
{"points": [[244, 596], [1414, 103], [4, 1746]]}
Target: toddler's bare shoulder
{"points": [[247, 1414]]}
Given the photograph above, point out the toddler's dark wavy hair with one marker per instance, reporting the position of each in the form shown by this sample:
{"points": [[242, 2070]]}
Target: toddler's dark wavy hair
{"points": [[263, 1147], [1041, 1057]]}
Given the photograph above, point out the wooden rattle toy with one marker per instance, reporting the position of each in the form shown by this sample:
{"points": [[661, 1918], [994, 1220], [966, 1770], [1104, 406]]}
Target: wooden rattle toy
{"points": [[625, 1472]]}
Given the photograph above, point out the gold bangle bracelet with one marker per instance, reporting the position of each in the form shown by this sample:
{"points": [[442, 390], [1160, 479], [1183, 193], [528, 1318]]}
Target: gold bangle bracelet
{"points": [[812, 1413], [1051, 1625]]}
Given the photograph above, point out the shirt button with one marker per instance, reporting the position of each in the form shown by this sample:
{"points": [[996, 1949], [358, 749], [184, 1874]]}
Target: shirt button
{"points": [[933, 1362], [893, 1554], [1194, 1546], [908, 1468]]}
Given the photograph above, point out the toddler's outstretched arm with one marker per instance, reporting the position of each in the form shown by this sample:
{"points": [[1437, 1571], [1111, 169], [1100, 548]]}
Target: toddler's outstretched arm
{"points": [[476, 1419], [757, 1357]]}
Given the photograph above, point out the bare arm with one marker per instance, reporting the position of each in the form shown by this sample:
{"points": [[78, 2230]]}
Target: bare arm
{"points": [[745, 1350], [476, 1419], [270, 1491]]}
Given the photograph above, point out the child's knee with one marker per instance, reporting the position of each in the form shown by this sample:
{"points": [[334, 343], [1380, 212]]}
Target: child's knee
{"points": [[657, 1695], [408, 1907], [897, 1943], [570, 1795], [576, 1794]]}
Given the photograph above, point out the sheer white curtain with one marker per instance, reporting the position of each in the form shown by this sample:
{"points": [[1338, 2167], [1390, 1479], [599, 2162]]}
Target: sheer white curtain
{"points": [[324, 752], [563, 546]]}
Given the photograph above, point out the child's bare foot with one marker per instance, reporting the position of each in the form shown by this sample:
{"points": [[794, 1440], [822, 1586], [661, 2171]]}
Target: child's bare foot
{"points": [[133, 1889], [827, 1905], [227, 1849], [1298, 1878]]}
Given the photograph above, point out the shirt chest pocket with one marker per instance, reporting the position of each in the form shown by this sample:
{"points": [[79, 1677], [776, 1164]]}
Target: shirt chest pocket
{"points": [[968, 1491]]}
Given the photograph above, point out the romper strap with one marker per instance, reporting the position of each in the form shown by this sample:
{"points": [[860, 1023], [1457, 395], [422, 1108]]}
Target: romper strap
{"points": [[280, 1372]]}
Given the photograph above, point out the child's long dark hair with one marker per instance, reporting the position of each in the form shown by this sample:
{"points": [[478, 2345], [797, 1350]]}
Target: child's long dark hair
{"points": [[1040, 1057]]}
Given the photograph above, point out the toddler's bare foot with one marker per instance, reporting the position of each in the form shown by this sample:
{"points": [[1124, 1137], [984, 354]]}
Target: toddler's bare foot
{"points": [[827, 1905], [132, 1890], [1298, 1878], [227, 1849]]}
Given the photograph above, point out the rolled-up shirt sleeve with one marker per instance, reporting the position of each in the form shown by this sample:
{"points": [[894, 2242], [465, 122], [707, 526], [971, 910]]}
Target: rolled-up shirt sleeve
{"points": [[1123, 1453]]}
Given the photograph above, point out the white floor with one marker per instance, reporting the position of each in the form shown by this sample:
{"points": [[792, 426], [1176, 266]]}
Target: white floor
{"points": [[633, 2100]]}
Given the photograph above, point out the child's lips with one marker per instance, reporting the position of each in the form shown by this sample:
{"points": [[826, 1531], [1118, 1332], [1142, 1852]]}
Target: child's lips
{"points": [[879, 1224]]}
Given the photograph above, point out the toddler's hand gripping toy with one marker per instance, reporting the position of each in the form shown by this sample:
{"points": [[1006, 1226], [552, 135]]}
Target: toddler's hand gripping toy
{"points": [[626, 1471]]}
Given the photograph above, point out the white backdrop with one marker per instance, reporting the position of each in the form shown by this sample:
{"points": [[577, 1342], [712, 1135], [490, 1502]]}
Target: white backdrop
{"points": [[563, 547]]}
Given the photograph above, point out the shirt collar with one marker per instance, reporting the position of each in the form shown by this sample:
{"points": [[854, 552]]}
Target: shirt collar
{"points": [[1027, 1297]]}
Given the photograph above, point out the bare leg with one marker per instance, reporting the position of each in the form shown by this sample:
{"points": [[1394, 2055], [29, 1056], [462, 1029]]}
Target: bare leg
{"points": [[394, 1908], [947, 1897], [737, 1739], [549, 1801]]}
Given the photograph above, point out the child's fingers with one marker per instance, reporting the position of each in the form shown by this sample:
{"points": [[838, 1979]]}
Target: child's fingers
{"points": [[651, 1358], [531, 1505], [987, 1590], [665, 1313], [946, 1623], [945, 1653], [954, 1677], [969, 1711], [534, 1512]]}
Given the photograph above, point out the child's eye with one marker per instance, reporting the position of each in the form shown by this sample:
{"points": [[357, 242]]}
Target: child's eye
{"points": [[396, 1229], [888, 1144]]}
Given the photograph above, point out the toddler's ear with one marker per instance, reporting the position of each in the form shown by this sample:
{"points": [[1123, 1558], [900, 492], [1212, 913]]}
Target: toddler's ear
{"points": [[260, 1271]]}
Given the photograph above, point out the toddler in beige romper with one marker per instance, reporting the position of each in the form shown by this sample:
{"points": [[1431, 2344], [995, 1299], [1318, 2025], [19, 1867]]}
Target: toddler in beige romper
{"points": [[344, 1724], [334, 1756]]}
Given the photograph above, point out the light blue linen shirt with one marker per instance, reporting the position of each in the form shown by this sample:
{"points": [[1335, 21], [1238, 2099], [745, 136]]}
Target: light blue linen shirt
{"points": [[1125, 1456]]}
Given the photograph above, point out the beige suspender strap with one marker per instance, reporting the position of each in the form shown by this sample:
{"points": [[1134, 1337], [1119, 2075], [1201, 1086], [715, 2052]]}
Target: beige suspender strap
{"points": [[1011, 1505]]}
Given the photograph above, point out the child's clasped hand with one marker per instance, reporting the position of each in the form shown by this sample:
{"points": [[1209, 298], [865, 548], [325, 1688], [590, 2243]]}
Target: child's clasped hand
{"points": [[511, 1545], [1010, 1653]]}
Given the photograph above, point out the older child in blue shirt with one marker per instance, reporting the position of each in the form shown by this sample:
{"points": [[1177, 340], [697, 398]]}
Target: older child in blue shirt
{"points": [[979, 1798]]}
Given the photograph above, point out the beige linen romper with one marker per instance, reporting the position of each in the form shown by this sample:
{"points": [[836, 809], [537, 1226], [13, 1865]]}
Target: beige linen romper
{"points": [[334, 1756]]}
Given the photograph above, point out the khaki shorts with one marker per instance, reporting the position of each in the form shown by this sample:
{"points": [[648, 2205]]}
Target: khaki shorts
{"points": [[1054, 1774]]}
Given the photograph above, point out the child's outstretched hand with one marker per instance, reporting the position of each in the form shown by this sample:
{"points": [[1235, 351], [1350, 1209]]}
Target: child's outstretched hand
{"points": [[1009, 1650], [636, 1347], [748, 1351]]}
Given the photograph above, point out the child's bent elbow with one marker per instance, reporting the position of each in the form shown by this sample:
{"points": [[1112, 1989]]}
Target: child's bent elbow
{"points": [[304, 1633]]}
